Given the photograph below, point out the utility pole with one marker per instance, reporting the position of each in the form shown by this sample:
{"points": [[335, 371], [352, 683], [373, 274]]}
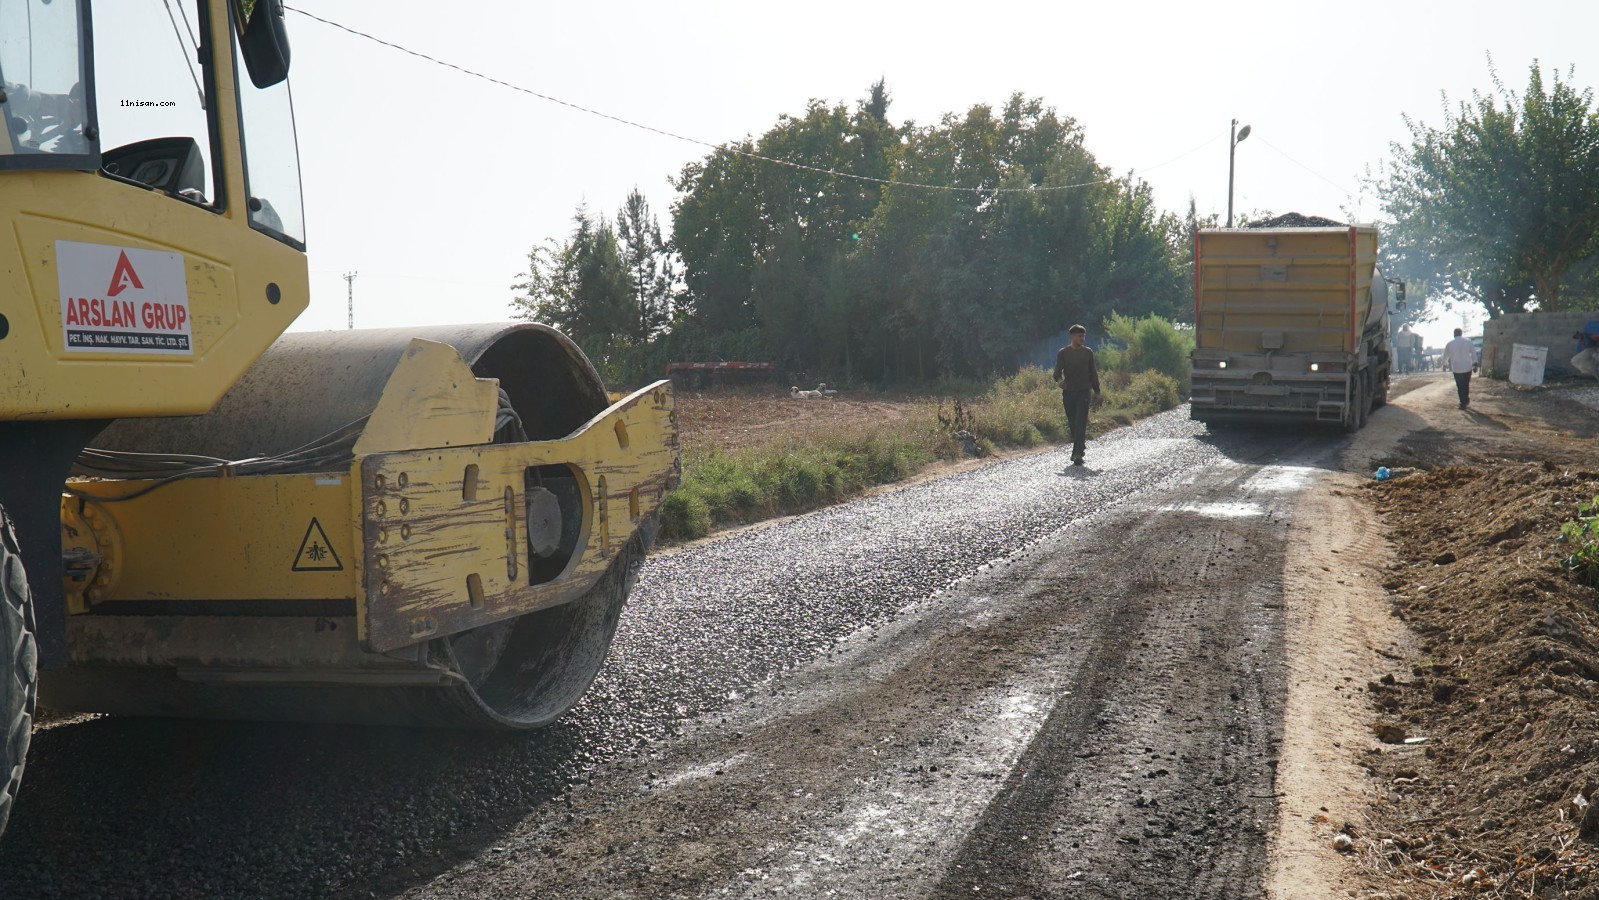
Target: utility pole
{"points": [[1235, 136], [349, 281]]}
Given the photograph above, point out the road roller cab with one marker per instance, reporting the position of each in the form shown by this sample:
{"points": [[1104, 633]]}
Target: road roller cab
{"points": [[206, 517]]}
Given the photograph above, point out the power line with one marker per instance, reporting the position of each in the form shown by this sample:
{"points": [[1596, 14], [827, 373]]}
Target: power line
{"points": [[408, 277], [728, 147], [1301, 165], [188, 57]]}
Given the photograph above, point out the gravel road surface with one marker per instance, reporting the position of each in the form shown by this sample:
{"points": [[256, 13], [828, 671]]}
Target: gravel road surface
{"points": [[1022, 680]]}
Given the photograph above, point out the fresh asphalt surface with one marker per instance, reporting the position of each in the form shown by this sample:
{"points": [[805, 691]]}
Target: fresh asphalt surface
{"points": [[146, 808]]}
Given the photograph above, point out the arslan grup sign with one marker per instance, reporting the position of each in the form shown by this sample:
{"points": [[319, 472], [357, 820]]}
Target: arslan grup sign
{"points": [[122, 299]]}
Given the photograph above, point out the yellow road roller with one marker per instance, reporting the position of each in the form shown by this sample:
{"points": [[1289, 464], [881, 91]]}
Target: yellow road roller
{"points": [[206, 517]]}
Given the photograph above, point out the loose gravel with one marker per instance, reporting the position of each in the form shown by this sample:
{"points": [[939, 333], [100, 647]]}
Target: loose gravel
{"points": [[148, 808]]}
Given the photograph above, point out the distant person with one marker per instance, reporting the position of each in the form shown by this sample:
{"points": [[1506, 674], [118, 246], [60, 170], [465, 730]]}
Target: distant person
{"points": [[1406, 345], [1587, 359], [1077, 374], [1460, 355]]}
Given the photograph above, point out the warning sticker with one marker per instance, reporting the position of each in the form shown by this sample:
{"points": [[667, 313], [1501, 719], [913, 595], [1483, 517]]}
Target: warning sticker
{"points": [[122, 299], [316, 554]]}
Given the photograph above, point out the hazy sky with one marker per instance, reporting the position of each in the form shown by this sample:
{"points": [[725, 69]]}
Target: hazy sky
{"points": [[433, 184]]}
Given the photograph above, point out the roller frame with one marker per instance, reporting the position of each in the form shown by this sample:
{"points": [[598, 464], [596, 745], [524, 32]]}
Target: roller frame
{"points": [[402, 539], [344, 577], [626, 462]]}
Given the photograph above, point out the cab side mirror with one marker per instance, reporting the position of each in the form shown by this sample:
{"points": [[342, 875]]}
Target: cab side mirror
{"points": [[263, 41], [1399, 296]]}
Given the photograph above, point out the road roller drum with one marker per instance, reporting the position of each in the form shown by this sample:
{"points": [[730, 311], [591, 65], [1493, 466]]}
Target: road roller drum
{"points": [[434, 526]]}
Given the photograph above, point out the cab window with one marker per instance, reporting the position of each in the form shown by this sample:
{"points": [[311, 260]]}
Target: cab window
{"points": [[271, 155], [151, 96], [44, 114]]}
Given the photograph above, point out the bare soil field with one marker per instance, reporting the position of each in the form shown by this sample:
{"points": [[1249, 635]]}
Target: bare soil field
{"points": [[737, 418]]}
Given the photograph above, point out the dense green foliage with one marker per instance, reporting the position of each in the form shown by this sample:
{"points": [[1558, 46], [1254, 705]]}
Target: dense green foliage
{"points": [[1149, 343], [907, 280], [841, 244], [1500, 205], [608, 286]]}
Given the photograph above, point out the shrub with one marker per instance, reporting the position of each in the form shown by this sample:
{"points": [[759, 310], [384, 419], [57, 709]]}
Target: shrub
{"points": [[1581, 535], [1149, 343], [793, 476], [685, 516], [1152, 392], [1020, 411]]}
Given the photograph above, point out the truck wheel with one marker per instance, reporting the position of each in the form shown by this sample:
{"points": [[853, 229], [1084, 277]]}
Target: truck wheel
{"points": [[19, 688], [1356, 414]]}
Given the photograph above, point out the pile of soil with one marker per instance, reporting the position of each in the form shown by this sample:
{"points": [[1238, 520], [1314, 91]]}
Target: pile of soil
{"points": [[1297, 220], [1490, 768]]}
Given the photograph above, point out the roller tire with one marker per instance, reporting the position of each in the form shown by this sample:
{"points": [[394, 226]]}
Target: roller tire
{"points": [[548, 659], [19, 687]]}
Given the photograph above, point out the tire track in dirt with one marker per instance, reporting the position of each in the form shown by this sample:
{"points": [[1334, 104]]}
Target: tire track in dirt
{"points": [[1152, 776]]}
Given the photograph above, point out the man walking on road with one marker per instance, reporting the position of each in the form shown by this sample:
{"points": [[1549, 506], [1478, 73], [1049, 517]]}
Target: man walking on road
{"points": [[1460, 355], [1077, 374]]}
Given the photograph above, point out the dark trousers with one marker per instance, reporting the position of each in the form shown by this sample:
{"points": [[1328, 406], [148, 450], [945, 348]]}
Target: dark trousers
{"points": [[1076, 403], [1463, 387]]}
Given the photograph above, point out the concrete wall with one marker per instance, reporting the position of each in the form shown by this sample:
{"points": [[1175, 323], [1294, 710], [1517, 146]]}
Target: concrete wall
{"points": [[1552, 330]]}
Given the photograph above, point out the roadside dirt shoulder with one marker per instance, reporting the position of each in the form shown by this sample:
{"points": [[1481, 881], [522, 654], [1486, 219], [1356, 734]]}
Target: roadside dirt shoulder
{"points": [[1339, 635], [1460, 755]]}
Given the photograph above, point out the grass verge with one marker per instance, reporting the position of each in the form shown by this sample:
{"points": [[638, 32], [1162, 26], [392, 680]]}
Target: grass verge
{"points": [[796, 473]]}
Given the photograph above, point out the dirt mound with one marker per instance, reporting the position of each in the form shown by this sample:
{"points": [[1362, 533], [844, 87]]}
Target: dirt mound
{"points": [[1495, 730], [1297, 220]]}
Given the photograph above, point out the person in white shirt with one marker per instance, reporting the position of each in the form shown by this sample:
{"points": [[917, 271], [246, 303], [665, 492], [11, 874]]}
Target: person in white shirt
{"points": [[1460, 355]]}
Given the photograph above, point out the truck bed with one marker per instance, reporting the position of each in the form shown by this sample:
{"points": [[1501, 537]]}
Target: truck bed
{"points": [[1293, 290]]}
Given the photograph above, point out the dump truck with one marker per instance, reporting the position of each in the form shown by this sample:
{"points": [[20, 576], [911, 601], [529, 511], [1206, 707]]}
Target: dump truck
{"points": [[203, 517], [1291, 324]]}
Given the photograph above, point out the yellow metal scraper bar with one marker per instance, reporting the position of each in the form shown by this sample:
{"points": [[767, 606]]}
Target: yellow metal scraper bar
{"points": [[444, 531]]}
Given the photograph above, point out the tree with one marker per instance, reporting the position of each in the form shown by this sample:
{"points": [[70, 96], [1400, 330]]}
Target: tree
{"points": [[581, 287], [717, 229], [1500, 206], [1035, 237], [891, 252], [652, 276], [738, 220], [1139, 258]]}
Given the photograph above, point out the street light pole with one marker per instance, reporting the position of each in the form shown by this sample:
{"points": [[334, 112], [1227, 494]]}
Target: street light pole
{"points": [[1235, 136]]}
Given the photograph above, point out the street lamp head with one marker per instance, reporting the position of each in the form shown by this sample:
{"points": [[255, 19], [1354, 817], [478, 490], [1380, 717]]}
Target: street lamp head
{"points": [[1242, 133]]}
